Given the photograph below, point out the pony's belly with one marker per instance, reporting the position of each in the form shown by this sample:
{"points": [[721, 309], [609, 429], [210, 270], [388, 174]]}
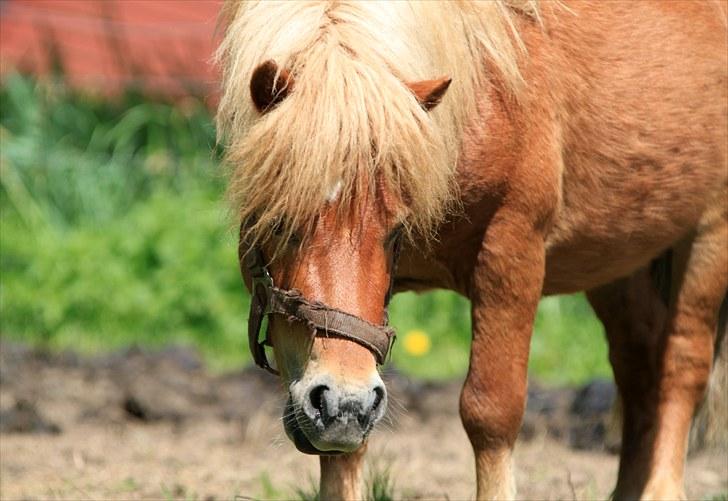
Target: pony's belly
{"points": [[574, 269], [595, 248], [599, 236], [615, 217]]}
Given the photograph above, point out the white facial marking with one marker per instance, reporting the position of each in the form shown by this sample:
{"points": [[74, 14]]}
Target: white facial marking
{"points": [[334, 193]]}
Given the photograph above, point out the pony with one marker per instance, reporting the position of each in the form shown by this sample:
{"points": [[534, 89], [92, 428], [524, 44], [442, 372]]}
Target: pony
{"points": [[505, 150]]}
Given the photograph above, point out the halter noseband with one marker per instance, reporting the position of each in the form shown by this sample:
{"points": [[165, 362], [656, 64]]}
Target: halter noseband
{"points": [[267, 299]]}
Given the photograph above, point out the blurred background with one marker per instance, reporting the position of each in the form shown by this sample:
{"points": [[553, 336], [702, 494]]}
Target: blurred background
{"points": [[124, 365], [114, 230]]}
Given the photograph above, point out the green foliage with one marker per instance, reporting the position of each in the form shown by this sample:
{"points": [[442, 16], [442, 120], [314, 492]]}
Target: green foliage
{"points": [[568, 344], [309, 493], [114, 232], [380, 485], [69, 159], [113, 227], [139, 280], [723, 496], [445, 317], [268, 490]]}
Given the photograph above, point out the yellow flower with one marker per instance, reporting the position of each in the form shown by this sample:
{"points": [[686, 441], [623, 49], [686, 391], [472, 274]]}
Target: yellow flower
{"points": [[416, 343]]}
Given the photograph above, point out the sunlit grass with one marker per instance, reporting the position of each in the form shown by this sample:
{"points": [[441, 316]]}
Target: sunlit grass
{"points": [[568, 344]]}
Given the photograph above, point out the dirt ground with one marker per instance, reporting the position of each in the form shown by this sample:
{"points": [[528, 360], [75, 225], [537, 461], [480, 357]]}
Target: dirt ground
{"points": [[136, 425]]}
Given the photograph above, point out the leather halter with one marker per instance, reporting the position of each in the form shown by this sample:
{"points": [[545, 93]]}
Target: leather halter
{"points": [[322, 320]]}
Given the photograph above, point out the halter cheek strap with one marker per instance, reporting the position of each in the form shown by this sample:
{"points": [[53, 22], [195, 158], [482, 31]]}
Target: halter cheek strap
{"points": [[323, 320]]}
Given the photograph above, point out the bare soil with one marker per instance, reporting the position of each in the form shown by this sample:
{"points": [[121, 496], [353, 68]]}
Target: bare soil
{"points": [[137, 425]]}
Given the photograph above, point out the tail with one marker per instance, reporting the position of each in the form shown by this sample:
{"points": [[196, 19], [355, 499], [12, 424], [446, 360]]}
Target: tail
{"points": [[709, 429]]}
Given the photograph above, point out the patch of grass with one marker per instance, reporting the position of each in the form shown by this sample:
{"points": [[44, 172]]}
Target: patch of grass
{"points": [[568, 344], [129, 484], [141, 280], [113, 228], [310, 493], [378, 486], [444, 317], [113, 231], [69, 159], [723, 496], [268, 490]]}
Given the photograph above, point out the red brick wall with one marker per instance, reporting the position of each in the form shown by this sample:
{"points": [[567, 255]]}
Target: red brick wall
{"points": [[165, 46]]}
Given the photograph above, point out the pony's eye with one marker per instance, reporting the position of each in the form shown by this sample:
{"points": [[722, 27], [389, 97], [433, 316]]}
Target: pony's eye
{"points": [[278, 227], [279, 230], [393, 235]]}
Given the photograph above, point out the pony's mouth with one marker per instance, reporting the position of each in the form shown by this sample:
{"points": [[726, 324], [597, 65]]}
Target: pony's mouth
{"points": [[295, 431]]}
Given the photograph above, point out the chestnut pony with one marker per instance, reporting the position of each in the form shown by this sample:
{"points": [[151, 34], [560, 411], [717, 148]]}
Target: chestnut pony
{"points": [[515, 149]]}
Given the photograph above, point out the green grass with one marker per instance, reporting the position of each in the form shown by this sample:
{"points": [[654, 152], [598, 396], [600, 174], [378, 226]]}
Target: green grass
{"points": [[568, 344], [113, 232], [379, 485], [723, 496]]}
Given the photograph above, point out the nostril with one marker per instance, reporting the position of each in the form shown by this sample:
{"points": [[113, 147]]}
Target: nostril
{"points": [[364, 419], [371, 414], [317, 398], [378, 397]]}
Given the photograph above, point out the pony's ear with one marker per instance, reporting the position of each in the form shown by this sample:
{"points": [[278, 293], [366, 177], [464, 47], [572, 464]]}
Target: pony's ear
{"points": [[429, 92], [267, 91]]}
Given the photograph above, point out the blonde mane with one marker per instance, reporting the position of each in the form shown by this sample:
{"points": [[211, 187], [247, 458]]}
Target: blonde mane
{"points": [[350, 120]]}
